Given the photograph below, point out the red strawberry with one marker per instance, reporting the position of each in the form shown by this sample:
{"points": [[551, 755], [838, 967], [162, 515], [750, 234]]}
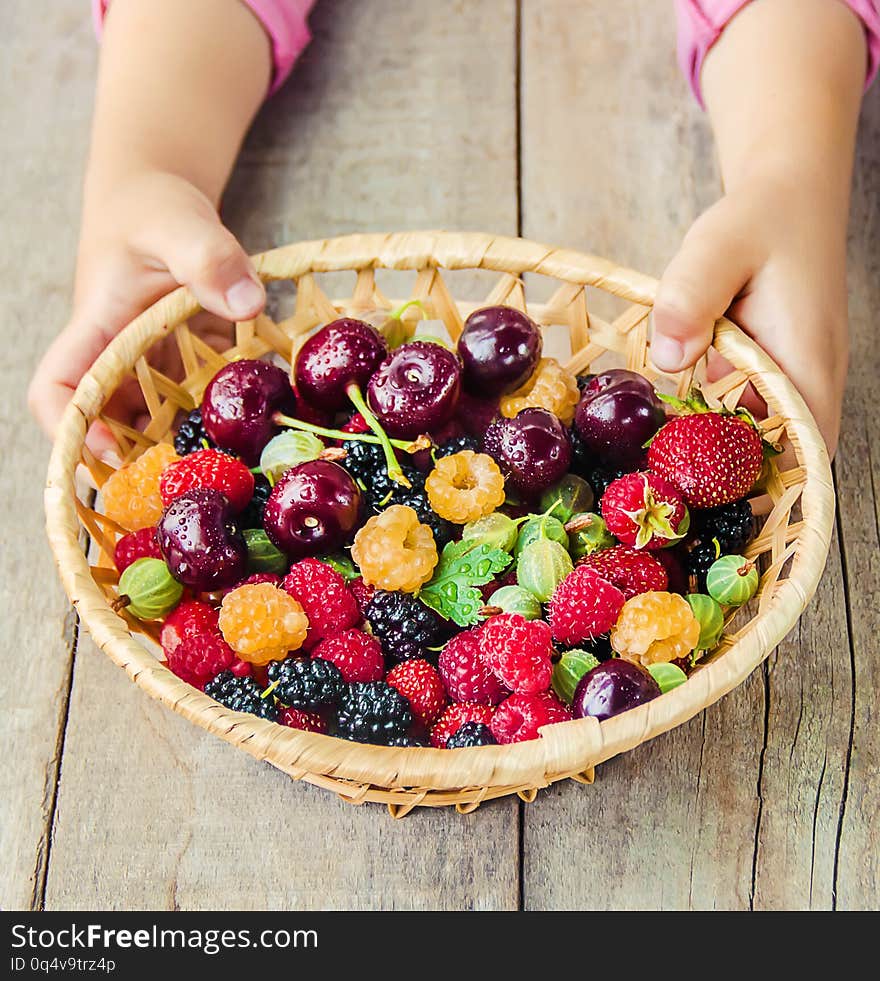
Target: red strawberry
{"points": [[713, 458], [136, 545], [644, 510], [356, 424], [190, 619], [455, 717], [631, 571], [419, 682], [212, 469]]}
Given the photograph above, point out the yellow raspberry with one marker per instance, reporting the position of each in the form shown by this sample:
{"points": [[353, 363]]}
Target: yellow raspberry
{"points": [[655, 627], [464, 486], [551, 387], [131, 494], [261, 622], [394, 550]]}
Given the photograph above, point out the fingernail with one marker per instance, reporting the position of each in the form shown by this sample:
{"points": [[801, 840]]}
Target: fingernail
{"points": [[667, 353], [244, 297]]}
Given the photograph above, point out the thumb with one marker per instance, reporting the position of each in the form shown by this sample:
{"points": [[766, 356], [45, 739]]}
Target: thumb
{"points": [[202, 254], [714, 263]]}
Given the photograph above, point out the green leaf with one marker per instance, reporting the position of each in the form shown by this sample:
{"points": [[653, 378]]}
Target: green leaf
{"points": [[462, 567]]}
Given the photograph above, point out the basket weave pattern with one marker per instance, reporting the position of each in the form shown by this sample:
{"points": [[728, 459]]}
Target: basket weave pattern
{"points": [[795, 505]]}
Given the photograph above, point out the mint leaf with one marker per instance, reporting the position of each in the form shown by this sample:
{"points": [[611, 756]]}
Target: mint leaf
{"points": [[462, 567]]}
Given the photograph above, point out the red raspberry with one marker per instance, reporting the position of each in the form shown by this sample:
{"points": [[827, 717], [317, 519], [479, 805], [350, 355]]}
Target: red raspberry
{"points": [[584, 606], [644, 510], [631, 571], [357, 655], [465, 674], [136, 545], [199, 659], [321, 592], [208, 468], [190, 619], [307, 721], [362, 592], [419, 682], [519, 717], [455, 717], [259, 577], [518, 651]]}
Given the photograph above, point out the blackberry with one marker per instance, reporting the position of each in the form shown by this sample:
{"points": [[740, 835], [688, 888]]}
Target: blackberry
{"points": [[406, 628], [241, 695], [582, 460], [698, 561], [456, 445], [599, 477], [406, 740], [471, 734], [363, 460], [191, 435], [732, 524], [372, 712], [443, 530], [252, 516], [306, 684]]}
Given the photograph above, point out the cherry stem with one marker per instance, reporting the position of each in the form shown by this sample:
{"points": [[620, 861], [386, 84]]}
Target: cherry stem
{"points": [[398, 312], [282, 420], [395, 472]]}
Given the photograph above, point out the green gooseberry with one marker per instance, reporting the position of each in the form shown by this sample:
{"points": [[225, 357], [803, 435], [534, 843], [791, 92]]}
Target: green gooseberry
{"points": [[710, 617], [541, 567], [262, 554], [587, 533], [516, 599], [567, 497], [538, 527], [569, 670], [287, 450], [667, 676], [496, 530], [149, 589], [732, 580]]}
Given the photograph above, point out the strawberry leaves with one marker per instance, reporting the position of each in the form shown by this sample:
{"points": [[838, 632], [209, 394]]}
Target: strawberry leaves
{"points": [[452, 591]]}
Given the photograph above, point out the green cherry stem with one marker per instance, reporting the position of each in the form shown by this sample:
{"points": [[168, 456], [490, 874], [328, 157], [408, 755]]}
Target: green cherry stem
{"points": [[282, 420], [392, 464]]}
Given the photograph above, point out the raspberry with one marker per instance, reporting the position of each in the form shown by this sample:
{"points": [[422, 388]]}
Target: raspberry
{"points": [[465, 673], [262, 623], [455, 717], [357, 655], [190, 619], [372, 712], [630, 570], [655, 627], [191, 435], [252, 516], [208, 468], [140, 544], [131, 495], [241, 695], [305, 684], [471, 734], [583, 606], [307, 721], [644, 510], [394, 551], [420, 684], [362, 593], [199, 659], [550, 387], [518, 652], [465, 486], [406, 628], [519, 717], [321, 591], [259, 577]]}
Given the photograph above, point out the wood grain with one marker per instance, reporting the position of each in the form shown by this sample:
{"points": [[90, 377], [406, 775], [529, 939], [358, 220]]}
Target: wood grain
{"points": [[378, 128], [48, 68]]}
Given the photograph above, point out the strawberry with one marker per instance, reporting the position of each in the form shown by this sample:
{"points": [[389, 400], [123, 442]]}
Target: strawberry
{"points": [[644, 510], [211, 469], [419, 682], [630, 570], [712, 457]]}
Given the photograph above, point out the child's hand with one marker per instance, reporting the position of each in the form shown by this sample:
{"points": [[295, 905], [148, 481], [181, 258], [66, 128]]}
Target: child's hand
{"points": [[772, 256], [151, 233]]}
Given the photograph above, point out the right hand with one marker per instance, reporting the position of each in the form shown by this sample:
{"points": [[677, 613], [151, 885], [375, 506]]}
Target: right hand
{"points": [[153, 232]]}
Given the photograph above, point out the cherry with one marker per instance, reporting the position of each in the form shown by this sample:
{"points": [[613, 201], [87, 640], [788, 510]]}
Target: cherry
{"points": [[201, 542], [618, 413], [532, 450], [343, 353], [313, 509], [611, 688], [415, 389], [239, 403], [499, 349]]}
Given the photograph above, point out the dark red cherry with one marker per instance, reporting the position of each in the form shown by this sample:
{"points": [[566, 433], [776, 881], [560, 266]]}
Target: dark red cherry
{"points": [[532, 450], [200, 541], [617, 414], [499, 349], [342, 353], [239, 403], [611, 688], [415, 389], [313, 509]]}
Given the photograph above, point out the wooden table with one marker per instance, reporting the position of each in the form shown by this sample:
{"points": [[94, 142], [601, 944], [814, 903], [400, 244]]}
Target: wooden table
{"points": [[566, 121]]}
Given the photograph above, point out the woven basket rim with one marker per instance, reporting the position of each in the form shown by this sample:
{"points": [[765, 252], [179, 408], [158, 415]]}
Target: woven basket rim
{"points": [[565, 749]]}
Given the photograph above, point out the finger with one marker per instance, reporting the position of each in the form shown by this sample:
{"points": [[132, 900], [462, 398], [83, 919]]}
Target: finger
{"points": [[202, 254], [714, 263]]}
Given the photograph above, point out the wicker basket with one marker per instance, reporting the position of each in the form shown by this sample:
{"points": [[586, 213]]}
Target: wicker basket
{"points": [[796, 506]]}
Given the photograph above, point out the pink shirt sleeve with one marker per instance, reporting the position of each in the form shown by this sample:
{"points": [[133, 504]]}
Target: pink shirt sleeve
{"points": [[283, 20], [700, 23]]}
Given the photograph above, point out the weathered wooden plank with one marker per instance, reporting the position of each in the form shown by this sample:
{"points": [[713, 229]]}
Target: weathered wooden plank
{"points": [[48, 67], [858, 485], [395, 118]]}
